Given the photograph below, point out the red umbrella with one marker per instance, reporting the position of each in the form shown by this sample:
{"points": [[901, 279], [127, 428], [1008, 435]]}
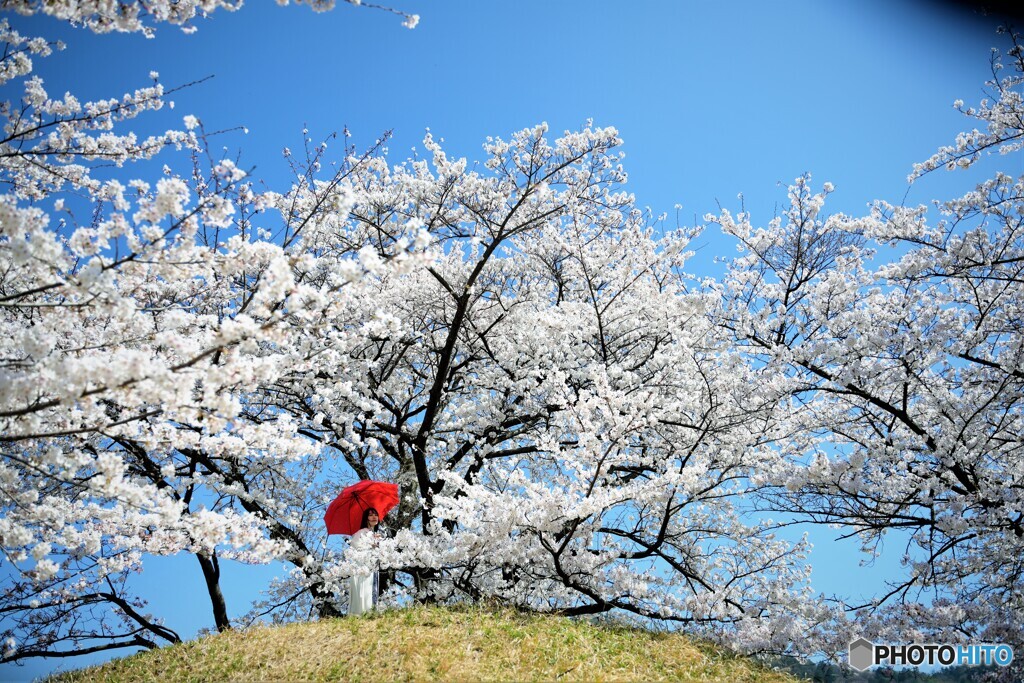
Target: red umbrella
{"points": [[345, 513]]}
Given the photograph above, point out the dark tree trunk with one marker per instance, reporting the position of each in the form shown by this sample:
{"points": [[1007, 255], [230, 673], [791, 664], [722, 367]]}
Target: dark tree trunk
{"points": [[211, 572]]}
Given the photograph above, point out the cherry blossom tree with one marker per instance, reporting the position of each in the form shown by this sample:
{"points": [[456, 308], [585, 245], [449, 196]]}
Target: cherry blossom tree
{"points": [[569, 428], [577, 426], [129, 342], [571, 433], [903, 380]]}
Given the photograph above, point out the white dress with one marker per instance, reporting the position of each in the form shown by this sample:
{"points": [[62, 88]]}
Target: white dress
{"points": [[362, 593]]}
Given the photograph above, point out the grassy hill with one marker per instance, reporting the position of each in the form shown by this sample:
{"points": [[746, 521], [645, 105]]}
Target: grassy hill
{"points": [[431, 643]]}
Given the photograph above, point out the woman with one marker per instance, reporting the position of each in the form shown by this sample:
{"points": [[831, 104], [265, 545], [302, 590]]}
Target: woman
{"points": [[363, 588]]}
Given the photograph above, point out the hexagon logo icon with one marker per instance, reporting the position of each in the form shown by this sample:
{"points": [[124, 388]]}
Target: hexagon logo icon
{"points": [[862, 654]]}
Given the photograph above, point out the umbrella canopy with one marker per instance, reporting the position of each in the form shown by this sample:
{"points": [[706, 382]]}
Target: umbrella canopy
{"points": [[345, 513]]}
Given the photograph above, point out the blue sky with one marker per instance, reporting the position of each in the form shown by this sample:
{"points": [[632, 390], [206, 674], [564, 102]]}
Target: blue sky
{"points": [[712, 99]]}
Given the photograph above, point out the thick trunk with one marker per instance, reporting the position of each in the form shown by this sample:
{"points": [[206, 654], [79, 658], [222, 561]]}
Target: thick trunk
{"points": [[422, 577], [323, 600], [211, 572]]}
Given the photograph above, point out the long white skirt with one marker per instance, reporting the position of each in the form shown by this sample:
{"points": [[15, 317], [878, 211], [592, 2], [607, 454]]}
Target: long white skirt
{"points": [[361, 594]]}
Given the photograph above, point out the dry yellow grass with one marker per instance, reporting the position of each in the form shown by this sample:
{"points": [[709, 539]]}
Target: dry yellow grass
{"points": [[437, 644]]}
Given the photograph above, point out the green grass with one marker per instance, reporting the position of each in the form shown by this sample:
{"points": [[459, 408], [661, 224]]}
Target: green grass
{"points": [[437, 644]]}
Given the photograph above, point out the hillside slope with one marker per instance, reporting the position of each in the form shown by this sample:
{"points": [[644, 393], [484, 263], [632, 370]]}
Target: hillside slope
{"points": [[431, 643]]}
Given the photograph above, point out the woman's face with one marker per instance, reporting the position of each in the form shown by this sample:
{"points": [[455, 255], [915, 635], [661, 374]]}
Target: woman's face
{"points": [[372, 518]]}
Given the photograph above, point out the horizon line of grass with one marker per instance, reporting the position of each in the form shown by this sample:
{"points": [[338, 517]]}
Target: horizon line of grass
{"points": [[424, 643]]}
